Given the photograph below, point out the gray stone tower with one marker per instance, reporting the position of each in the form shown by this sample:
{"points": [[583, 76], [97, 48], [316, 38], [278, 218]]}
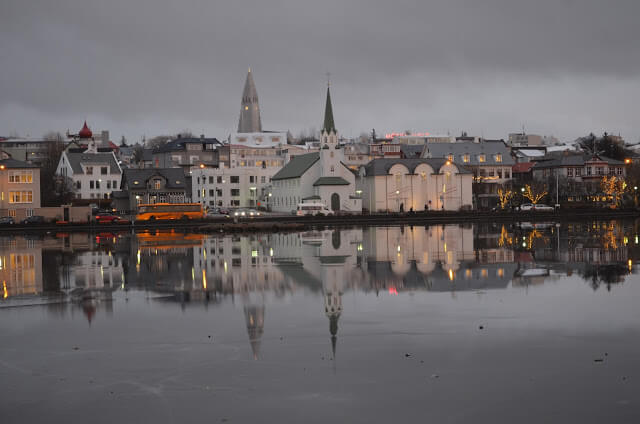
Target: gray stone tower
{"points": [[249, 109]]}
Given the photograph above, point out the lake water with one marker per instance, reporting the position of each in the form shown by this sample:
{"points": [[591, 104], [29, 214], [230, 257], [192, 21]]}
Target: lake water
{"points": [[449, 323]]}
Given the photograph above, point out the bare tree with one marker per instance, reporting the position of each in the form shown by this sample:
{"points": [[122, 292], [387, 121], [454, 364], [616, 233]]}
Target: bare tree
{"points": [[53, 190]]}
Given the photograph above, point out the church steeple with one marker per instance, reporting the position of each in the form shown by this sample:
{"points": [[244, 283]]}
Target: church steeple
{"points": [[329, 125], [249, 108]]}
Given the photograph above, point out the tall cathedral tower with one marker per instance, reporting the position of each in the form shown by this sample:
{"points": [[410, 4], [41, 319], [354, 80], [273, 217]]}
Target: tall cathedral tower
{"points": [[249, 109]]}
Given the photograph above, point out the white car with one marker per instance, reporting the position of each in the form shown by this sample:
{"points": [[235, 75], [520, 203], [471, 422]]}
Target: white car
{"points": [[543, 208], [535, 207]]}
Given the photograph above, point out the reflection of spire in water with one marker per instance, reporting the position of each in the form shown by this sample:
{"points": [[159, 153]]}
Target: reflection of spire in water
{"points": [[333, 309], [333, 329], [89, 310], [254, 316]]}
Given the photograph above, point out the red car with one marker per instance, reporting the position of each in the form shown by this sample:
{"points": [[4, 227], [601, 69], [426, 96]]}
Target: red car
{"points": [[107, 219]]}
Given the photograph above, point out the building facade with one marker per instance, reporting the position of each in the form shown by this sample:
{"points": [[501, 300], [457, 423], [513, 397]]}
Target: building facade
{"points": [[19, 187], [155, 185], [403, 185], [94, 174], [242, 186]]}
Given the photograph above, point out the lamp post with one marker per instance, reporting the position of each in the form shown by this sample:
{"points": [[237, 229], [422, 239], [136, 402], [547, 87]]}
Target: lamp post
{"points": [[635, 196], [202, 188]]}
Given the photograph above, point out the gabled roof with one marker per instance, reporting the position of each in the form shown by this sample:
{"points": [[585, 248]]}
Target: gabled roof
{"points": [[174, 176], [560, 159], [522, 168], [297, 166], [487, 148], [325, 181], [76, 160], [382, 166]]}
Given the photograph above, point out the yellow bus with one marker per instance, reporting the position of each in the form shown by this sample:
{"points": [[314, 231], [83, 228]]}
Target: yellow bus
{"points": [[151, 212]]}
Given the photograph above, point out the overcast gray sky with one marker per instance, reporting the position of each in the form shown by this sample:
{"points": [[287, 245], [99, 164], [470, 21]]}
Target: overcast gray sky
{"points": [[134, 67]]}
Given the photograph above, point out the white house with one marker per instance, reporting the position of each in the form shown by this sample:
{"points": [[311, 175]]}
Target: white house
{"points": [[402, 185], [94, 174], [317, 177]]}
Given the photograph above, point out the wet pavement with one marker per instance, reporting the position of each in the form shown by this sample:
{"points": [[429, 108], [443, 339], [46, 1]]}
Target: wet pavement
{"points": [[482, 323]]}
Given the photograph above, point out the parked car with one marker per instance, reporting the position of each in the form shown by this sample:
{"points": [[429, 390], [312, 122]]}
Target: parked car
{"points": [[543, 208], [539, 207], [6, 220], [104, 218], [253, 212], [35, 219]]}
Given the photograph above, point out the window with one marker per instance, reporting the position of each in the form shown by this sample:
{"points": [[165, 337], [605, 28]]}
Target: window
{"points": [[332, 168], [263, 179], [330, 154], [481, 158], [588, 170], [465, 158], [569, 172], [211, 193], [219, 180], [103, 170], [235, 179], [578, 172], [114, 184], [498, 158], [499, 171], [98, 184], [23, 177], [210, 179], [491, 172], [251, 178], [91, 185], [78, 185], [88, 170], [507, 173], [619, 171], [450, 157], [21, 196], [108, 184], [599, 170], [219, 192], [235, 192]]}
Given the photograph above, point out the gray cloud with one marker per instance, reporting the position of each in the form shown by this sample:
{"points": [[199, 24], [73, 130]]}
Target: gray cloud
{"points": [[146, 66]]}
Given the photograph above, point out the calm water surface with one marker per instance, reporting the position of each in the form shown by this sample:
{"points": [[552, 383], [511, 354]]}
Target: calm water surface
{"points": [[455, 323]]}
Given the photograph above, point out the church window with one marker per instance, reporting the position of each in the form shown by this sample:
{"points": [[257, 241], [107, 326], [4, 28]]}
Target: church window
{"points": [[332, 168]]}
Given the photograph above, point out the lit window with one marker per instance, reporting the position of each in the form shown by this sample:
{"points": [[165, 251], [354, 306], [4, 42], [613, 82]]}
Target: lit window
{"points": [[465, 158], [481, 158], [450, 158], [498, 158]]}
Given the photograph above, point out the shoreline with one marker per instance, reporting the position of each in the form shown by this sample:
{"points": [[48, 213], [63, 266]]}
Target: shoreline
{"points": [[290, 222]]}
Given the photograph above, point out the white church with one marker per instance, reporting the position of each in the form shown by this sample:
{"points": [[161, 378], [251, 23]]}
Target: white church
{"points": [[320, 177]]}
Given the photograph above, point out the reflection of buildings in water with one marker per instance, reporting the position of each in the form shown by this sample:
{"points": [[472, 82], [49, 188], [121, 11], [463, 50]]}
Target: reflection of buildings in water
{"points": [[92, 270], [435, 258], [161, 261], [254, 318], [325, 260], [20, 267], [238, 264]]}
